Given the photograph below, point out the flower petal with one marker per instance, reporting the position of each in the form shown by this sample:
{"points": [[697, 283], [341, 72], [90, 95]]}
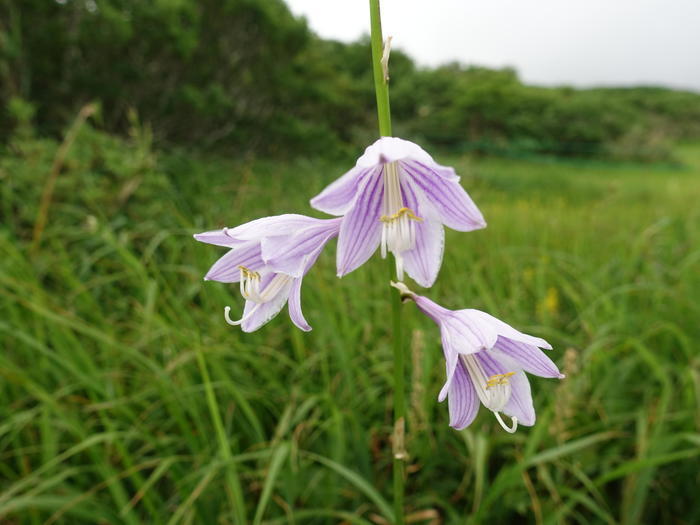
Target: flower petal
{"points": [[294, 306], [433, 310], [508, 331], [360, 231], [295, 254], [338, 197], [271, 226], [423, 261], [520, 403], [469, 334], [528, 357], [456, 208], [264, 311], [218, 238], [226, 269], [391, 149], [451, 360], [462, 399]]}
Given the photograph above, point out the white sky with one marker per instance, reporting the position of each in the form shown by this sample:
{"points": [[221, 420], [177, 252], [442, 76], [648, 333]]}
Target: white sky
{"points": [[580, 42]]}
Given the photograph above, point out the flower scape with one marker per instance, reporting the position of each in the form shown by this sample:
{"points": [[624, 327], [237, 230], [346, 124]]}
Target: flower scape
{"points": [[396, 199]]}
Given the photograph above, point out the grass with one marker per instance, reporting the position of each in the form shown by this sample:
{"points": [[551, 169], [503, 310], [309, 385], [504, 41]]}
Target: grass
{"points": [[125, 398]]}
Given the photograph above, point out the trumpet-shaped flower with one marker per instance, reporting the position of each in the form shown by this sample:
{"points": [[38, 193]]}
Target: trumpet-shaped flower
{"points": [[486, 361], [269, 258], [398, 198]]}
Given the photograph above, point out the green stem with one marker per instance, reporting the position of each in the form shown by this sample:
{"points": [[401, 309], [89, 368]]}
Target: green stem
{"points": [[234, 492], [381, 88]]}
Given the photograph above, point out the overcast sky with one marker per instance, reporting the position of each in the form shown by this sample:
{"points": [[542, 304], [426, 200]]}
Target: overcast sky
{"points": [[580, 42]]}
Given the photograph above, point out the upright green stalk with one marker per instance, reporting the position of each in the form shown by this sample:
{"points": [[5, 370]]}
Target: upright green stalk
{"points": [[381, 88]]}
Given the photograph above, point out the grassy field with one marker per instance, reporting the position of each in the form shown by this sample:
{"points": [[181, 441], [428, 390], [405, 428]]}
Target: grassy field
{"points": [[125, 398]]}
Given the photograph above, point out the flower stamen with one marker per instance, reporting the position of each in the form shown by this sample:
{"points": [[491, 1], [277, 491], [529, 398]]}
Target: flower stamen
{"points": [[494, 391], [498, 379], [398, 230], [251, 288], [403, 211]]}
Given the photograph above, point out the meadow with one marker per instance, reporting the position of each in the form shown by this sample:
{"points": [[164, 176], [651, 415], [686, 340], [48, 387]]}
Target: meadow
{"points": [[125, 398]]}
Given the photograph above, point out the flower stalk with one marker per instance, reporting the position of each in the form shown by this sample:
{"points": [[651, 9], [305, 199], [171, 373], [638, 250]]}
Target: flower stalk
{"points": [[380, 57]]}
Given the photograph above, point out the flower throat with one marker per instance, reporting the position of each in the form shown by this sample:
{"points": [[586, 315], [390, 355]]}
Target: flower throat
{"points": [[398, 230]]}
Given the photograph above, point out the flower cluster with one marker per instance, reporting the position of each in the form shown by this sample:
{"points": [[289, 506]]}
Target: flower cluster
{"points": [[397, 199]]}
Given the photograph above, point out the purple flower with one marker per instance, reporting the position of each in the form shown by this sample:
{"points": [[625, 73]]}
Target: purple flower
{"points": [[486, 361], [398, 198], [269, 257]]}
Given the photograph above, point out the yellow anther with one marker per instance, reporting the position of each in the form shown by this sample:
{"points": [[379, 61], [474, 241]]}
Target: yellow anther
{"points": [[499, 379], [402, 211], [249, 273]]}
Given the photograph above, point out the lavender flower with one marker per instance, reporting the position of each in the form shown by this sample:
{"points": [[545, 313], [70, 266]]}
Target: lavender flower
{"points": [[269, 257], [398, 198], [486, 361]]}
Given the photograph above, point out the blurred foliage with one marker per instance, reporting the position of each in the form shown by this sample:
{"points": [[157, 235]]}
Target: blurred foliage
{"points": [[105, 322], [247, 76]]}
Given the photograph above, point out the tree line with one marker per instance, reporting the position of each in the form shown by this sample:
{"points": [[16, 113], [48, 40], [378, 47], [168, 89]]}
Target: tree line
{"points": [[247, 76]]}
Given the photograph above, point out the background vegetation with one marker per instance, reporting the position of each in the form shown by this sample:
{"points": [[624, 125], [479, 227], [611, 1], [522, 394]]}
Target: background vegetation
{"points": [[244, 75], [124, 398]]}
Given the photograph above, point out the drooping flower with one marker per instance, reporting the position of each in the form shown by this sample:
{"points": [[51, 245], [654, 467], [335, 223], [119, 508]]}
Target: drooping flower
{"points": [[398, 198], [269, 257], [486, 360]]}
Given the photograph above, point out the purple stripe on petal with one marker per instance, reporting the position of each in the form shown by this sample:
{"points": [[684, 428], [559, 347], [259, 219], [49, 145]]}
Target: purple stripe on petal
{"points": [[456, 208], [470, 335], [360, 231], [291, 254], [462, 399], [226, 269], [294, 305], [423, 261], [339, 196], [529, 357]]}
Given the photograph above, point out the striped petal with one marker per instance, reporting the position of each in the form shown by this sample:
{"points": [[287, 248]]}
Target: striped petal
{"points": [[226, 269], [469, 335], [339, 196], [441, 187], [294, 306], [462, 400], [504, 329], [423, 261], [286, 224], [295, 254], [528, 357], [360, 231]]}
